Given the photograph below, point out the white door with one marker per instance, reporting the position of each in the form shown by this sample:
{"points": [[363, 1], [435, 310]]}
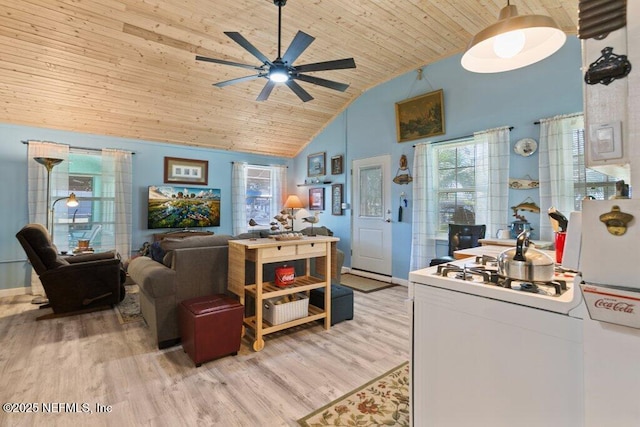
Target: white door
{"points": [[371, 231]]}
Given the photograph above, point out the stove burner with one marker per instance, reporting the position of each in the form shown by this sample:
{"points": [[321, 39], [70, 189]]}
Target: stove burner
{"points": [[483, 272], [529, 287], [486, 259], [554, 287]]}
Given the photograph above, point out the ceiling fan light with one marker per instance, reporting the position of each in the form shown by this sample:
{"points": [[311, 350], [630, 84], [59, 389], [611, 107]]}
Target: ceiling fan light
{"points": [[542, 38], [278, 75]]}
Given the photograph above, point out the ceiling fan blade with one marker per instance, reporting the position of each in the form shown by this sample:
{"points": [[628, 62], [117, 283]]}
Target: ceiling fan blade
{"points": [[266, 91], [238, 38], [222, 61], [337, 64], [298, 90], [322, 82], [300, 42], [238, 80]]}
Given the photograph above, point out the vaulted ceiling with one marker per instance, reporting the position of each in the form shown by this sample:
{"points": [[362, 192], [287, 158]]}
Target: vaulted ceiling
{"points": [[127, 68]]}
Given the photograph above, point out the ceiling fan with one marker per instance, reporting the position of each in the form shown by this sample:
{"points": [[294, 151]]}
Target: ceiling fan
{"points": [[282, 70]]}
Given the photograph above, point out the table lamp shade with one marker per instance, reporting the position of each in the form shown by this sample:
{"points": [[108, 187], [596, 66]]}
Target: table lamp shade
{"points": [[293, 202]]}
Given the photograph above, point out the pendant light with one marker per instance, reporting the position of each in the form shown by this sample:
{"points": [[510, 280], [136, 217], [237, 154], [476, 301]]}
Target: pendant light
{"points": [[513, 42]]}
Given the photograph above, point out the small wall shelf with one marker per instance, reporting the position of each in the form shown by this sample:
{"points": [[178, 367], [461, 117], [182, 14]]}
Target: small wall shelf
{"points": [[314, 183]]}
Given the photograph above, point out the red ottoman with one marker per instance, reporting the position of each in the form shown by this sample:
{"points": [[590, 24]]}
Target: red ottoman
{"points": [[210, 327]]}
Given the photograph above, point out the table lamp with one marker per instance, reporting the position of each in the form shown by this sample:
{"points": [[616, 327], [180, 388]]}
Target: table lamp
{"points": [[293, 202]]}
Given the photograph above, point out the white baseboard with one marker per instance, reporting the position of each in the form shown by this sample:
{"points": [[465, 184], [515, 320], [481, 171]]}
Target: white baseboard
{"points": [[14, 291], [380, 277]]}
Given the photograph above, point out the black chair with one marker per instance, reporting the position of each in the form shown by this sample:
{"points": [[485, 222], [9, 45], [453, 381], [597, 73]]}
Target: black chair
{"points": [[74, 284], [461, 236]]}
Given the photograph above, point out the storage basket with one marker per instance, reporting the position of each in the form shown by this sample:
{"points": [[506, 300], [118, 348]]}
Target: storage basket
{"points": [[275, 314]]}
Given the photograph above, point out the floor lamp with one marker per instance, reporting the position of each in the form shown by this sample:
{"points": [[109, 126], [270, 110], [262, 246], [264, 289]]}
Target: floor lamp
{"points": [[49, 163], [72, 202]]}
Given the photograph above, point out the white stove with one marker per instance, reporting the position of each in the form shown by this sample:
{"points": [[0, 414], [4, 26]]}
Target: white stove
{"points": [[484, 348], [479, 276]]}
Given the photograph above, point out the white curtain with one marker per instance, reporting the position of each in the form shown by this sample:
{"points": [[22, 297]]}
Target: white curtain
{"points": [[492, 178], [117, 185], [556, 166], [279, 184], [37, 208], [239, 197], [425, 208], [492, 183]]}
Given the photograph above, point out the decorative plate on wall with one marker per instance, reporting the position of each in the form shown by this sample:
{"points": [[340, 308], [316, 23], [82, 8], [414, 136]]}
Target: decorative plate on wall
{"points": [[525, 147]]}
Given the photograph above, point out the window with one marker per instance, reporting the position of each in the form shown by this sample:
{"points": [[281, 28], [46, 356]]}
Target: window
{"points": [[259, 194], [588, 182], [456, 183], [89, 220]]}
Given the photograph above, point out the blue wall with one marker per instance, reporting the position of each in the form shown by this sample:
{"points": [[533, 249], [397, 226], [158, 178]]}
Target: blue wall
{"points": [[473, 102], [148, 167], [365, 129]]}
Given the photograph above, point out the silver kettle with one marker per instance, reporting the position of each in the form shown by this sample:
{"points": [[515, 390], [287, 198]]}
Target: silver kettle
{"points": [[525, 263]]}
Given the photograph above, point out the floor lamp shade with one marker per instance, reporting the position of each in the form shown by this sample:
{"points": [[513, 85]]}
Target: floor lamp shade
{"points": [[513, 42]]}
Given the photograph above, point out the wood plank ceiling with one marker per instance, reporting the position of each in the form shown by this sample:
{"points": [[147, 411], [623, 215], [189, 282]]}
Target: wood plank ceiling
{"points": [[127, 67]]}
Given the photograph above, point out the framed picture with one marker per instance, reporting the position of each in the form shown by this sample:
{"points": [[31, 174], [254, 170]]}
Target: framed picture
{"points": [[336, 165], [316, 199], [185, 171], [316, 164], [420, 117], [336, 199]]}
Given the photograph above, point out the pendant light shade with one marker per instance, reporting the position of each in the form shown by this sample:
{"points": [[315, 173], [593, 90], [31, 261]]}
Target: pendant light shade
{"points": [[513, 42]]}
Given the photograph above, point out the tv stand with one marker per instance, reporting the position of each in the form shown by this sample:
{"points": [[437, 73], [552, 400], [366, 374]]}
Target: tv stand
{"points": [[179, 234]]}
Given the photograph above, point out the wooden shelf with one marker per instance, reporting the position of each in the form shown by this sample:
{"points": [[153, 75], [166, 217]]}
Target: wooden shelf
{"points": [[301, 284], [315, 183], [315, 313]]}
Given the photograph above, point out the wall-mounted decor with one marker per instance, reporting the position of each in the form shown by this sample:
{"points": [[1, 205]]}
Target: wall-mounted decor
{"points": [[596, 18], [316, 199], [403, 174], [524, 183], [185, 171], [525, 147], [336, 165], [183, 207], [316, 164], [336, 199], [420, 117]]}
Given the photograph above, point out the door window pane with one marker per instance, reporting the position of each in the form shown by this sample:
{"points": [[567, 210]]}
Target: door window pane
{"points": [[371, 192]]}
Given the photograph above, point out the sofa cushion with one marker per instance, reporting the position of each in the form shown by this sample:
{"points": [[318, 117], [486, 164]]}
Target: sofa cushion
{"points": [[156, 252], [168, 245], [318, 231]]}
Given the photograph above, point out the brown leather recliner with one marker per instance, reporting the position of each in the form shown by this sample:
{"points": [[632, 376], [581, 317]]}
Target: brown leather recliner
{"points": [[74, 283]]}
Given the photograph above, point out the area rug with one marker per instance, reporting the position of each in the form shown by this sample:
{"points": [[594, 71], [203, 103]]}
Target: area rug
{"points": [[383, 401], [363, 284], [128, 310]]}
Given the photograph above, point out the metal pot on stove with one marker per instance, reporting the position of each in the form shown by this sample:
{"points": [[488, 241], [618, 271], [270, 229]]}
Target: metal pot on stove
{"points": [[525, 263]]}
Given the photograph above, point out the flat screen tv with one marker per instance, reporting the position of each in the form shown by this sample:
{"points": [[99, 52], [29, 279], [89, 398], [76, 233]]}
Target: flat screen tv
{"points": [[183, 207]]}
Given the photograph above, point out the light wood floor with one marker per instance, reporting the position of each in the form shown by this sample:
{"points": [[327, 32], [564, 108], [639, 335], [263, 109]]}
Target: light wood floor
{"points": [[93, 359]]}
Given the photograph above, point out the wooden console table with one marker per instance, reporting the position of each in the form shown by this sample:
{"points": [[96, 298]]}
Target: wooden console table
{"points": [[264, 251]]}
